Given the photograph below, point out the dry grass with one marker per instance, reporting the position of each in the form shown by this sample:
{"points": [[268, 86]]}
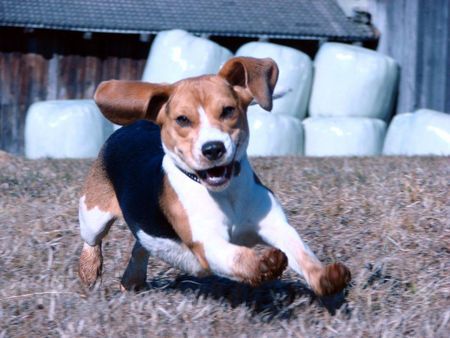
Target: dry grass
{"points": [[388, 219]]}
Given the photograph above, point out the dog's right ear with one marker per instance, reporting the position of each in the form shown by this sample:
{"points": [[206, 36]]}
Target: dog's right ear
{"points": [[257, 76], [123, 102]]}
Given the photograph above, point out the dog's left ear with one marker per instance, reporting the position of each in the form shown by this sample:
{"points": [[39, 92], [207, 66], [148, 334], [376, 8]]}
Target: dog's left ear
{"points": [[258, 76], [124, 102]]}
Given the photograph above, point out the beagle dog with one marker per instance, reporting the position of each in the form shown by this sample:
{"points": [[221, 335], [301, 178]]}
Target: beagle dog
{"points": [[178, 174]]}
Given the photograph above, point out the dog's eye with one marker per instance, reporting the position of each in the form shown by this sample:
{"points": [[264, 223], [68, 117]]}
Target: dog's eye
{"points": [[183, 121], [227, 113]]}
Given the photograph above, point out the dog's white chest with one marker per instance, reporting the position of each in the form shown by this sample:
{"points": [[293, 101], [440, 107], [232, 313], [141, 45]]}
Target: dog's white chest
{"points": [[210, 212]]}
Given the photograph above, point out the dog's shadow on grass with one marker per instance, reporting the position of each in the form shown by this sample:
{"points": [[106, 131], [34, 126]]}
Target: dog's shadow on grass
{"points": [[275, 299]]}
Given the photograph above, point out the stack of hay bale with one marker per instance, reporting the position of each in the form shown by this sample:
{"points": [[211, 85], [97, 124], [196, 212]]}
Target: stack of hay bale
{"points": [[349, 98], [352, 97]]}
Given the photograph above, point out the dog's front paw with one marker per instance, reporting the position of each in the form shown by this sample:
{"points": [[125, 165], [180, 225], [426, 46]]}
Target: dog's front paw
{"points": [[272, 263], [333, 279]]}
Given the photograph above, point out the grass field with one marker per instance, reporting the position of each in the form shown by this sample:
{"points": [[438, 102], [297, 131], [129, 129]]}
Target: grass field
{"points": [[387, 219]]}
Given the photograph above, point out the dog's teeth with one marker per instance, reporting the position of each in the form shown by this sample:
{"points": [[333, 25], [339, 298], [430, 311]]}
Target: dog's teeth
{"points": [[216, 176]]}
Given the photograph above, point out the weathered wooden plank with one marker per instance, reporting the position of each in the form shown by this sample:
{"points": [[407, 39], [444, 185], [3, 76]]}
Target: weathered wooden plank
{"points": [[52, 77], [416, 33], [63, 72], [433, 56], [23, 96], [447, 82], [3, 103], [71, 77], [140, 65], [125, 73], [92, 76], [15, 84], [36, 87], [80, 71]]}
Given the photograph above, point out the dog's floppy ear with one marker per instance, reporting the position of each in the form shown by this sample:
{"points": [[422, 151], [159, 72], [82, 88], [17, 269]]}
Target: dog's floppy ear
{"points": [[258, 76], [123, 102]]}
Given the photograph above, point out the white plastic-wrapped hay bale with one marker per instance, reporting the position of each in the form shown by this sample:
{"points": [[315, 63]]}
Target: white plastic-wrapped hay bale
{"points": [[343, 136], [295, 77], [274, 134], [176, 55], [65, 129], [425, 132], [352, 81]]}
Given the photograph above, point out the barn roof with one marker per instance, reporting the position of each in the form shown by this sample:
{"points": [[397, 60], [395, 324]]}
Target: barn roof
{"points": [[284, 19]]}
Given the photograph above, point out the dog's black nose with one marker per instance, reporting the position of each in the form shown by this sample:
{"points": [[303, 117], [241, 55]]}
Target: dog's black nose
{"points": [[213, 150]]}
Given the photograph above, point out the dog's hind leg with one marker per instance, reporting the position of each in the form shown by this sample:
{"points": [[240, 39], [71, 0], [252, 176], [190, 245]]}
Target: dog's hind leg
{"points": [[98, 209], [135, 275], [94, 225]]}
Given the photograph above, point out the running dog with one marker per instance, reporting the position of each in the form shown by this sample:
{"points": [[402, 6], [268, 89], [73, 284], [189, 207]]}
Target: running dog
{"points": [[178, 174]]}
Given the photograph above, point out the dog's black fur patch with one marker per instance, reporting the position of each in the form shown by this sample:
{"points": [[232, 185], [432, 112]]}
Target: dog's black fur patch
{"points": [[132, 157]]}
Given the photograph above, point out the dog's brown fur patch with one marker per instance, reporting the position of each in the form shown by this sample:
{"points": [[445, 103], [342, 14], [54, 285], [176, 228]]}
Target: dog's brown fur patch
{"points": [[99, 191], [332, 279], [90, 265], [199, 250], [254, 268], [174, 212], [324, 280], [178, 219]]}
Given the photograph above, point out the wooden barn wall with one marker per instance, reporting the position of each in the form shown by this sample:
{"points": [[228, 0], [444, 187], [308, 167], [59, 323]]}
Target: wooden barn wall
{"points": [[48, 65], [416, 33]]}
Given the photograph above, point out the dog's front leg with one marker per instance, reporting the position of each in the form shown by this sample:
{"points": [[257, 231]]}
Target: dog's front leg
{"points": [[274, 229], [241, 263]]}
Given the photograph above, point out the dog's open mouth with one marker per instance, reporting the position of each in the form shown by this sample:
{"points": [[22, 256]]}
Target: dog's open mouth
{"points": [[216, 176]]}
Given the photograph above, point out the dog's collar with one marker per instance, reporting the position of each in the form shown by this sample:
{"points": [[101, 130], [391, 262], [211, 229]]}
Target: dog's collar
{"points": [[194, 177], [190, 175]]}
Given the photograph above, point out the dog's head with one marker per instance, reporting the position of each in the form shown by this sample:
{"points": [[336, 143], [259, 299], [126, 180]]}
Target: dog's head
{"points": [[203, 119]]}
